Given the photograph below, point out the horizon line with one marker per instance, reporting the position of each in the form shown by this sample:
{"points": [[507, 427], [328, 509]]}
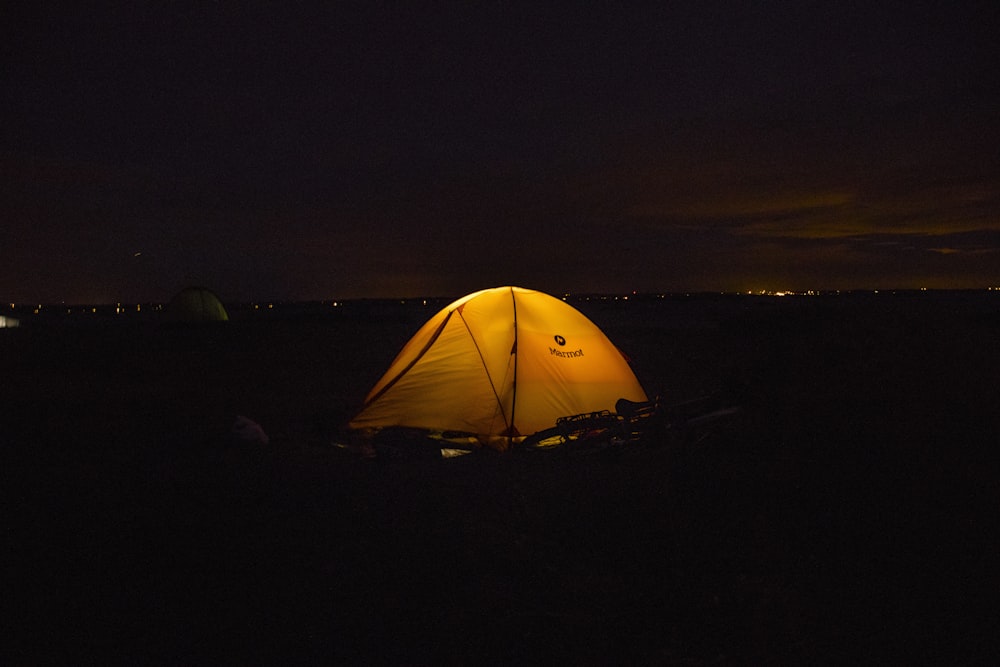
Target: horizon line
{"points": [[621, 296]]}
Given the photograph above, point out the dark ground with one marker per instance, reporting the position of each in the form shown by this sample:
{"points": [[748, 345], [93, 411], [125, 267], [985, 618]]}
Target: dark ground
{"points": [[849, 514]]}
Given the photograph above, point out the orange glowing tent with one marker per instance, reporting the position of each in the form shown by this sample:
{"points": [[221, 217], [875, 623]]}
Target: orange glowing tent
{"points": [[500, 363]]}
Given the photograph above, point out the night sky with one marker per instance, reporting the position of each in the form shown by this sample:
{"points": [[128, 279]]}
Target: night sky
{"points": [[311, 151]]}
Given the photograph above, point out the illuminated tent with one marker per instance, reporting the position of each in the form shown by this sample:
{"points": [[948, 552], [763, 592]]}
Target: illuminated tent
{"points": [[500, 363], [196, 304], [8, 322]]}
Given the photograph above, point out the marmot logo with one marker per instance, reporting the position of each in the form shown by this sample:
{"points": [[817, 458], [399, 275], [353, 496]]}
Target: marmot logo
{"points": [[560, 340]]}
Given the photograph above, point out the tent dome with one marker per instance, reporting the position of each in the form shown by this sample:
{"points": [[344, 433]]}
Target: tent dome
{"points": [[500, 363], [196, 304]]}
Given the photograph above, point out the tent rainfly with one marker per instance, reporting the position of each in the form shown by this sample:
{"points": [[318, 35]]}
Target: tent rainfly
{"points": [[196, 304], [500, 363]]}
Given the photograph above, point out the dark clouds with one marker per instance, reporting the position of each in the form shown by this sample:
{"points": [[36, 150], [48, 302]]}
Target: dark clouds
{"points": [[317, 151]]}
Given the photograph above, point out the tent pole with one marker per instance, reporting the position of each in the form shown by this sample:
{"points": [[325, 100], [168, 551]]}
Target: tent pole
{"points": [[513, 398]]}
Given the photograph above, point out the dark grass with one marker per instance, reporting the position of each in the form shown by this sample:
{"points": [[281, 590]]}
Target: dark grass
{"points": [[848, 514]]}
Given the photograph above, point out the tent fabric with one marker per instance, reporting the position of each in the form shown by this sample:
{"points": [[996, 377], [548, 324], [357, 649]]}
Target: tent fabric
{"points": [[196, 304], [500, 363]]}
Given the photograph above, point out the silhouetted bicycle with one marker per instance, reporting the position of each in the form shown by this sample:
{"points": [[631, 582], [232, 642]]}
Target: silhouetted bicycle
{"points": [[632, 422]]}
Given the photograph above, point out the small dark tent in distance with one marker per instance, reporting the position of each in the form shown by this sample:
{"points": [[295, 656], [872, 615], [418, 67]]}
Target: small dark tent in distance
{"points": [[500, 364], [196, 304]]}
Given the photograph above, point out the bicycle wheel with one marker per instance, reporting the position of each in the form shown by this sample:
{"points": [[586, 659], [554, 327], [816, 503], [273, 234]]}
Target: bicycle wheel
{"points": [[548, 438]]}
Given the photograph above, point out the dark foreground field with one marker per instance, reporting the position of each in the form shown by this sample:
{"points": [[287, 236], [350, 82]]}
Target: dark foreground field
{"points": [[848, 514]]}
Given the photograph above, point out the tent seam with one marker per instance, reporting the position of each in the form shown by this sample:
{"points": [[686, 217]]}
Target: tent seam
{"points": [[486, 370], [399, 376]]}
